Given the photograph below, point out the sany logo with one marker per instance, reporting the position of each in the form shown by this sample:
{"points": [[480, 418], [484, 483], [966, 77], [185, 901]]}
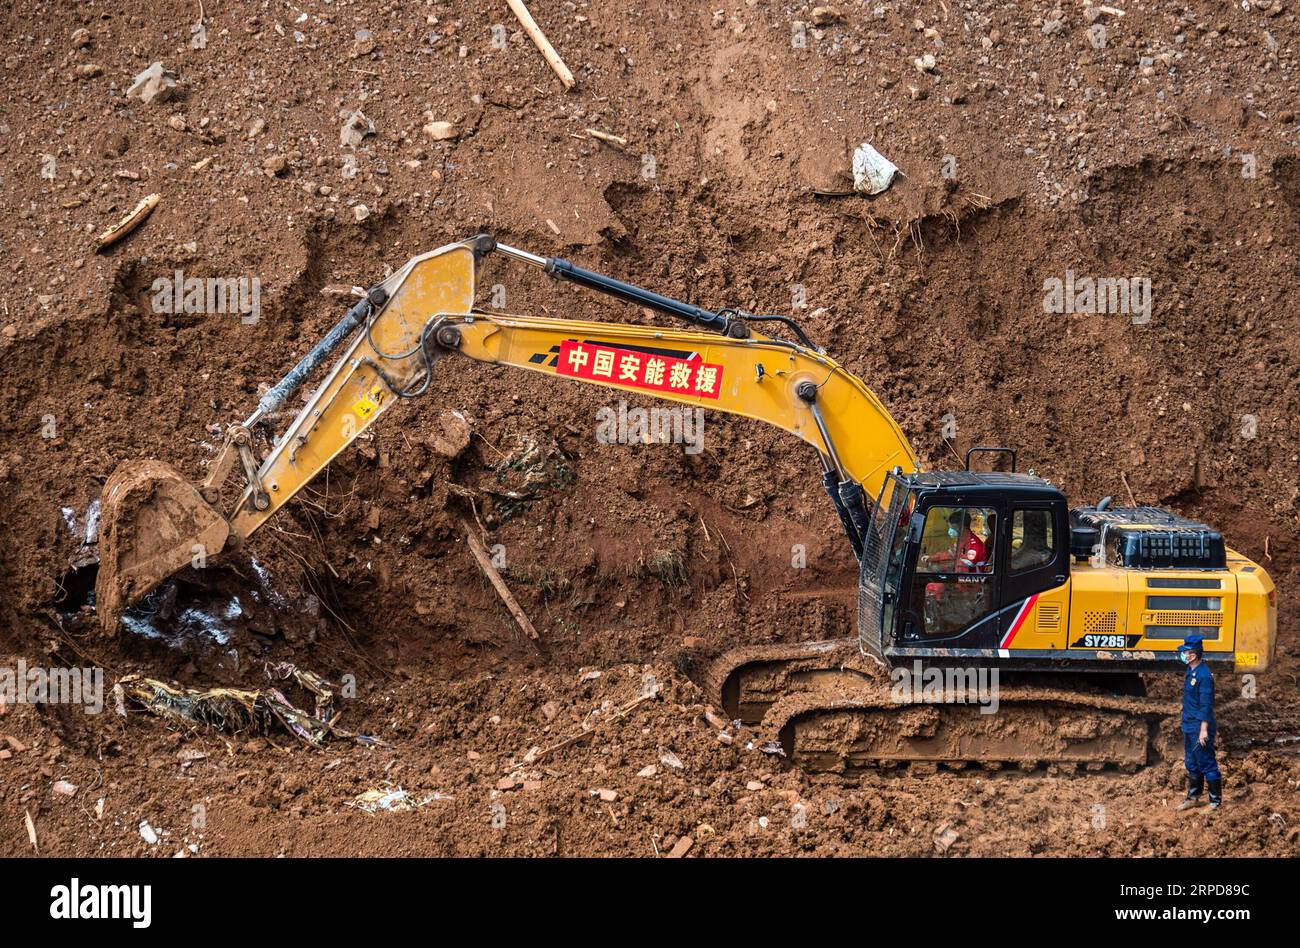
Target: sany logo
{"points": [[103, 901]]}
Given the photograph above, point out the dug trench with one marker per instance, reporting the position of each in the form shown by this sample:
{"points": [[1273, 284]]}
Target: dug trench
{"points": [[644, 560]]}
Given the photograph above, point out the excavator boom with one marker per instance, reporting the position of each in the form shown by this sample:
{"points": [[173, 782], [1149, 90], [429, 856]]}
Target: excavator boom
{"points": [[425, 311]]}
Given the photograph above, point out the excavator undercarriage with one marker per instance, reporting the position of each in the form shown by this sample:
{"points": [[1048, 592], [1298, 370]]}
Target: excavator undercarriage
{"points": [[831, 709]]}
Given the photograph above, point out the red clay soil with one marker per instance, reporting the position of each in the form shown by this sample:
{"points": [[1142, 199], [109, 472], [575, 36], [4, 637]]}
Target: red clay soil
{"points": [[1169, 153]]}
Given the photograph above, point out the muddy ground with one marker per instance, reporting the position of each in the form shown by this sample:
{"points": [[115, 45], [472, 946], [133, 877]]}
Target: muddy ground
{"points": [[1164, 147]]}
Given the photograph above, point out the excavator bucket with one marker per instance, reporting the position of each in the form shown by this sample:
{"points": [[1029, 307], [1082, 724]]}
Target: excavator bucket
{"points": [[153, 523]]}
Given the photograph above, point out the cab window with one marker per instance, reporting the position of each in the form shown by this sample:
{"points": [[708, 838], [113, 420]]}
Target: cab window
{"points": [[1033, 539], [954, 565], [957, 540]]}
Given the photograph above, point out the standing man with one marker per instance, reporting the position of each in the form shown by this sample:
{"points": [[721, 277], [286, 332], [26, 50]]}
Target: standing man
{"points": [[1198, 726]]}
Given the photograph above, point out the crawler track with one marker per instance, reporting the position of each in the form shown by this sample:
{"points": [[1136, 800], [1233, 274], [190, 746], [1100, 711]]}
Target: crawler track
{"points": [[834, 710]]}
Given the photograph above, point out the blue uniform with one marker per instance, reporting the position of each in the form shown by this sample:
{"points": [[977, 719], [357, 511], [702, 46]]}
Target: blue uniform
{"points": [[1198, 707]]}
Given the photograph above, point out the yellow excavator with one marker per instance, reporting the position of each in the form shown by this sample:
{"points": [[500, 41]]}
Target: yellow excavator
{"points": [[966, 577]]}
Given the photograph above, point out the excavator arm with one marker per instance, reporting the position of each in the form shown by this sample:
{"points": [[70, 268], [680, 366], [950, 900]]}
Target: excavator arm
{"points": [[424, 312]]}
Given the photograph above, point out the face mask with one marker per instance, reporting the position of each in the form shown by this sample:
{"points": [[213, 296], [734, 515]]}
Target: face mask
{"points": [[1185, 657], [952, 532]]}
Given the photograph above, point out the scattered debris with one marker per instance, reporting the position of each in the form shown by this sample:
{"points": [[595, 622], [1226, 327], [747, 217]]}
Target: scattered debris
{"points": [[355, 129], [392, 800], [607, 137], [715, 719], [148, 833], [128, 223], [681, 848], [31, 830], [873, 173], [237, 710], [541, 42], [442, 131], [155, 84], [944, 837], [485, 564]]}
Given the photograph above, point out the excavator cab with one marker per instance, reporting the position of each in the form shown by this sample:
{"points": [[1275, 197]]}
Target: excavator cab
{"points": [[985, 568], [953, 558]]}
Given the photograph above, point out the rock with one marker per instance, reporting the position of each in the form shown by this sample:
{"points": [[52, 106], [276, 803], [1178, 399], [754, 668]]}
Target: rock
{"points": [[363, 44], [669, 759], [507, 783], [442, 131], [274, 166], [64, 788], [360, 212], [155, 84], [355, 129], [550, 710], [148, 833], [177, 122], [80, 38], [649, 770], [924, 63], [754, 785], [449, 441], [256, 127], [607, 796], [89, 70], [825, 16], [873, 173]]}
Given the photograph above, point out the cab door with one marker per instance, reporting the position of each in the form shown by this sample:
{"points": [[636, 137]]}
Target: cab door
{"points": [[1035, 591]]}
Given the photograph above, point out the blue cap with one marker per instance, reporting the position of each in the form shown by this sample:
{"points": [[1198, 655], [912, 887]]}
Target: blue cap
{"points": [[1192, 644]]}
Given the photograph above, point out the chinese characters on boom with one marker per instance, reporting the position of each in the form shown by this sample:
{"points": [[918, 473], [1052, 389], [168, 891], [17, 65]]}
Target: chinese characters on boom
{"points": [[653, 372]]}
